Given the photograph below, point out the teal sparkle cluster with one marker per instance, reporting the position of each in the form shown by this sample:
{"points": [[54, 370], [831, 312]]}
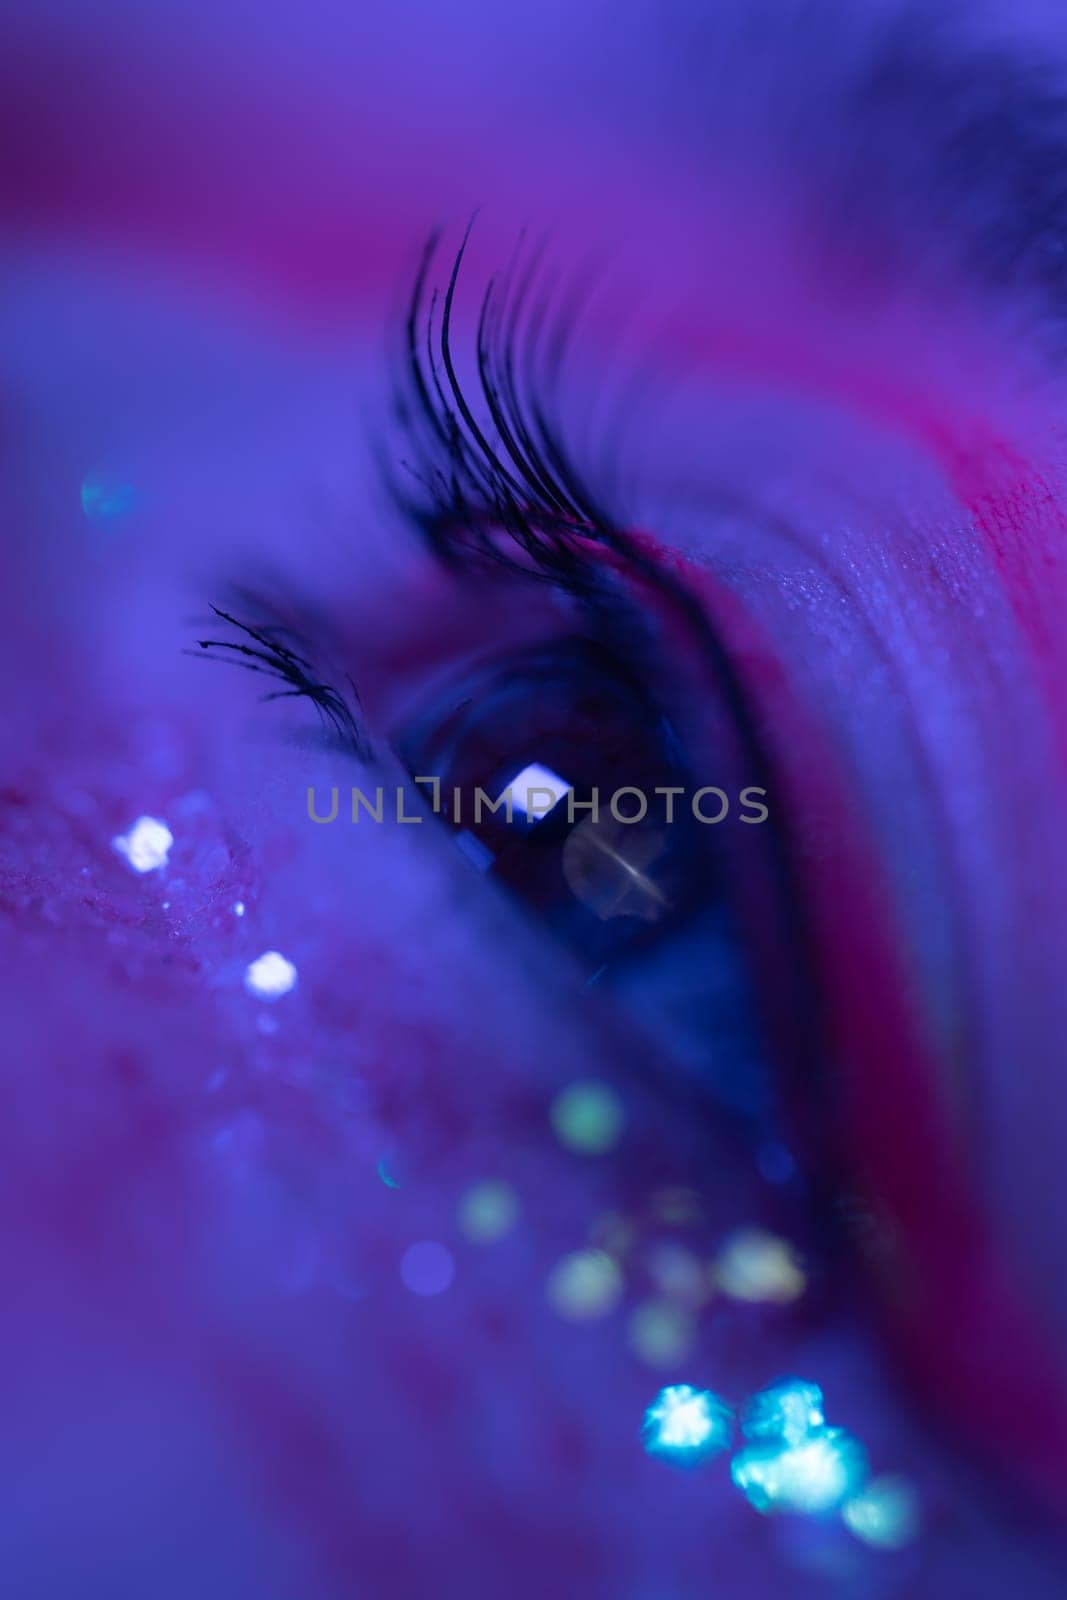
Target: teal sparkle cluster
{"points": [[793, 1461], [105, 498], [789, 1411], [687, 1425], [789, 1461]]}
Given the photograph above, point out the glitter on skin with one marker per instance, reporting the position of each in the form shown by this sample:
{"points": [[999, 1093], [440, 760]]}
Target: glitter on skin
{"points": [[488, 1211], [587, 1117], [386, 1174], [686, 1425], [784, 1414], [585, 1285], [270, 976], [885, 1515], [104, 498], [759, 1267], [660, 1334], [147, 844], [427, 1268], [679, 1274], [815, 1477]]}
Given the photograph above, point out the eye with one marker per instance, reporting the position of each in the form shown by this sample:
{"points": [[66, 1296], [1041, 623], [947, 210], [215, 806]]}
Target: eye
{"points": [[613, 843], [497, 490], [561, 776]]}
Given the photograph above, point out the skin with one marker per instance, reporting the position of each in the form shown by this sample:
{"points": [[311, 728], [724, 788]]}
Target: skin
{"points": [[848, 452]]}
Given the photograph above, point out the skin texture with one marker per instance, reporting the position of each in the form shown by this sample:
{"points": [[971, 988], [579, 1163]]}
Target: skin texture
{"points": [[827, 321]]}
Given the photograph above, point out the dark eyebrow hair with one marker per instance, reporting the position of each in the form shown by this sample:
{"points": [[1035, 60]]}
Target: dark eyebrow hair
{"points": [[969, 134], [918, 135]]}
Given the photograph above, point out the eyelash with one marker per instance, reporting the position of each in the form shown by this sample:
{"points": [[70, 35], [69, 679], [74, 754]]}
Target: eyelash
{"points": [[461, 493], [525, 485], [470, 491], [258, 648]]}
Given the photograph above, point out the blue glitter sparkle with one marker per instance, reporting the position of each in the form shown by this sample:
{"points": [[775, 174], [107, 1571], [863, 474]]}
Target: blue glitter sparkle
{"points": [[105, 498], [815, 1477], [686, 1424], [885, 1514], [785, 1413]]}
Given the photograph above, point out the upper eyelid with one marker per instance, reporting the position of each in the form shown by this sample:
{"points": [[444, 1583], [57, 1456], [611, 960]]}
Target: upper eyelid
{"points": [[472, 494], [474, 511]]}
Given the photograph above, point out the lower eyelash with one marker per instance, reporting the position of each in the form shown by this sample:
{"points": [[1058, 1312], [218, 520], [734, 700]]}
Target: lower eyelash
{"points": [[469, 491], [258, 648]]}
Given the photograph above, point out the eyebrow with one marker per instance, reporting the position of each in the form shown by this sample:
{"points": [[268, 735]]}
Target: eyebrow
{"points": [[916, 133], [970, 135]]}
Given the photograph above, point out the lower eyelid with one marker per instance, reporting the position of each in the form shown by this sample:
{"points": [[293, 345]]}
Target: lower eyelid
{"points": [[699, 992], [839, 956], [875, 1111]]}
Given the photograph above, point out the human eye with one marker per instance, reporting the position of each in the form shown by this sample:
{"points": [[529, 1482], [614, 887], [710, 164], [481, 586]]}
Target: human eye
{"points": [[604, 1015], [597, 762]]}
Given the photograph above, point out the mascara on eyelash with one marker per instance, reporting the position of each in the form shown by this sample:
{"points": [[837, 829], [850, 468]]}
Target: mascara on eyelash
{"points": [[474, 497], [268, 656]]}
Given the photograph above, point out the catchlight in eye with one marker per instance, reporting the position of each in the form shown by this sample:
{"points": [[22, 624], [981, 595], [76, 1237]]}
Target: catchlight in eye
{"points": [[560, 776]]}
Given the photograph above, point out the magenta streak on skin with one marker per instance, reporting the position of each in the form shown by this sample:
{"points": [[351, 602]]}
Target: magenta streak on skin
{"points": [[1015, 505], [193, 190], [1023, 522], [954, 1311], [966, 1333], [323, 233]]}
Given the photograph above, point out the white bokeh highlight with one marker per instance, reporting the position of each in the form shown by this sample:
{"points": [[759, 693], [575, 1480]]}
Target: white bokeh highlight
{"points": [[146, 846], [270, 976]]}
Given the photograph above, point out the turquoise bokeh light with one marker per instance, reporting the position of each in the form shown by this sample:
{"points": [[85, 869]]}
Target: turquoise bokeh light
{"points": [[686, 1424], [785, 1413], [815, 1477]]}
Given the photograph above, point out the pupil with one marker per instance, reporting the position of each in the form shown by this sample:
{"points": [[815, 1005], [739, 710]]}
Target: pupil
{"points": [[553, 739]]}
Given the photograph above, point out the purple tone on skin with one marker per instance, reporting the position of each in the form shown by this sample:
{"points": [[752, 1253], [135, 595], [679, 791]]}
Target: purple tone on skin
{"points": [[217, 1377]]}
